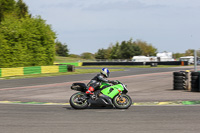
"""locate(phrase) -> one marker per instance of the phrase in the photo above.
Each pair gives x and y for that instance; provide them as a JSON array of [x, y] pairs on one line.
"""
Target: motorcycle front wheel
[[77, 101], [122, 101]]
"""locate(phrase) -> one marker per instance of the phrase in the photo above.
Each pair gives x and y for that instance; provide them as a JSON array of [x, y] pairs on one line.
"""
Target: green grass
[[77, 71], [59, 59], [136, 66]]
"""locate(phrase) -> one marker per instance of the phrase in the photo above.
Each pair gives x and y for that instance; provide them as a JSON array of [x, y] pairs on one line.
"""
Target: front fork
[[120, 95], [120, 99]]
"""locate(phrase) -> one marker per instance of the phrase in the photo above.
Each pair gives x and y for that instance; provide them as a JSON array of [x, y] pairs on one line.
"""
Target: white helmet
[[105, 72]]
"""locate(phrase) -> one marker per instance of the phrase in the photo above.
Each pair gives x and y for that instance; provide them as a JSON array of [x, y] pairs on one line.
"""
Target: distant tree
[[101, 54], [136, 50], [115, 53], [125, 50], [147, 49], [74, 56], [189, 52], [61, 49], [87, 55], [178, 55], [108, 52], [129, 49]]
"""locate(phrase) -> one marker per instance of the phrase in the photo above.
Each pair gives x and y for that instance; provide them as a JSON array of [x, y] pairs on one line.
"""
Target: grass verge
[[78, 71], [136, 66], [60, 59]]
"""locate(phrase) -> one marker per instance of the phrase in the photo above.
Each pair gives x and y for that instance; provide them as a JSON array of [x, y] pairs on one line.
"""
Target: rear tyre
[[123, 102], [77, 101]]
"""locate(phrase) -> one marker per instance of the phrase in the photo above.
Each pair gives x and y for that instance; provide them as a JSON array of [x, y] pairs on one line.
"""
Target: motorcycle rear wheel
[[78, 102], [123, 102]]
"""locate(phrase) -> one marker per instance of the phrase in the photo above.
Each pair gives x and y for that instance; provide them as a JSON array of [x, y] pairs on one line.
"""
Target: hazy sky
[[88, 25]]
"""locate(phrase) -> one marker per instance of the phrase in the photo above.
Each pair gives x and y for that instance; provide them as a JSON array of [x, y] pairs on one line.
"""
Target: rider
[[96, 81]]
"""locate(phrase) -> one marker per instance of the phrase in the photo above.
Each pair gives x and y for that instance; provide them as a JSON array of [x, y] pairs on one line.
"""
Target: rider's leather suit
[[96, 82]]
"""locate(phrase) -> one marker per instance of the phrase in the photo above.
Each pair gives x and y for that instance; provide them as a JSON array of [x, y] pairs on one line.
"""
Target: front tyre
[[77, 101], [122, 101]]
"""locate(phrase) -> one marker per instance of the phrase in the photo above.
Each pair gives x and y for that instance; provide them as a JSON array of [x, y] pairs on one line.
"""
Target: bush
[[26, 42]]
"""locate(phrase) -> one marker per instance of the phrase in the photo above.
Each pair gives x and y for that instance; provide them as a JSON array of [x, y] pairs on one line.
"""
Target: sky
[[89, 25]]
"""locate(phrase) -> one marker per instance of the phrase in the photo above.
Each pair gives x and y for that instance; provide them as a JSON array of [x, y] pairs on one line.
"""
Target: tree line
[[126, 50], [119, 50]]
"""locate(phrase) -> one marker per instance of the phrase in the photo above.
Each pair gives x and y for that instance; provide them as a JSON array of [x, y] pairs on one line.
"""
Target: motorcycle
[[106, 95]]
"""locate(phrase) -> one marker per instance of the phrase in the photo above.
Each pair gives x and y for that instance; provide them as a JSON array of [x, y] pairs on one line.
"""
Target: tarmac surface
[[63, 119], [19, 111]]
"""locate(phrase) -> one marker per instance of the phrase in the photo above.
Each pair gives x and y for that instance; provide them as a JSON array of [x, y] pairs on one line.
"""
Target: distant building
[[164, 56], [143, 59], [190, 59]]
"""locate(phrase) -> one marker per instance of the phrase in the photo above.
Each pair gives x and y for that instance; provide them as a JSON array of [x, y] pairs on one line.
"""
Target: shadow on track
[[91, 107]]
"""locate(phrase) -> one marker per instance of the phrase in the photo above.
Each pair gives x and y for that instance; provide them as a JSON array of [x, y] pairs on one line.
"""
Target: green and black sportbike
[[106, 95]]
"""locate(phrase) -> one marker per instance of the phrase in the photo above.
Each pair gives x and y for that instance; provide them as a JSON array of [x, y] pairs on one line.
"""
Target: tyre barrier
[[195, 82], [180, 80], [153, 64], [71, 68]]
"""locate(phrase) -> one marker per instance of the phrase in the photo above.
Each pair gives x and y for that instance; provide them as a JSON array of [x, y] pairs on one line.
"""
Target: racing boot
[[90, 91]]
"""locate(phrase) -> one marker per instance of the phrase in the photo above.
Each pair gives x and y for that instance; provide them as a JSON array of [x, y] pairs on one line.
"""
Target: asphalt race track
[[145, 85], [63, 119]]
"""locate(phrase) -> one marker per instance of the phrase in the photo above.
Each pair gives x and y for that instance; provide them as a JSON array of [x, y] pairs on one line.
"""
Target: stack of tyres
[[180, 80], [71, 68], [195, 81]]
